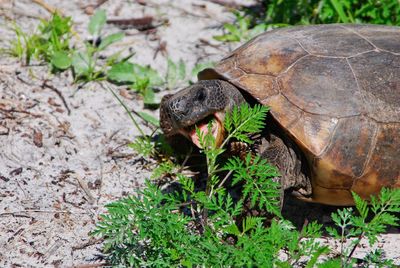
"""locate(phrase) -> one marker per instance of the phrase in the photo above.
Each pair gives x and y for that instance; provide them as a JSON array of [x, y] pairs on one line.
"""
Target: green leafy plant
[[52, 42], [21, 47], [49, 42], [190, 226], [241, 30], [141, 79], [374, 259], [176, 241], [212, 209], [144, 79], [85, 62], [360, 226], [278, 13], [258, 187]]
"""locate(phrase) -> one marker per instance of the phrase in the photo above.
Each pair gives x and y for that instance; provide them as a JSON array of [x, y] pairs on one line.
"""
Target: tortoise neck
[[283, 153]]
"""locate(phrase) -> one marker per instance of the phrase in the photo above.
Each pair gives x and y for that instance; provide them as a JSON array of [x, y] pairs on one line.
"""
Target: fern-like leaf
[[244, 120], [361, 205]]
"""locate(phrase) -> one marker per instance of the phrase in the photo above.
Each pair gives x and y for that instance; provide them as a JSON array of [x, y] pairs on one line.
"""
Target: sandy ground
[[61, 162]]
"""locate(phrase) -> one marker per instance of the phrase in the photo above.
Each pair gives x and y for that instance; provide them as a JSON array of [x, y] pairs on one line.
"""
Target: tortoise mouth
[[217, 129]]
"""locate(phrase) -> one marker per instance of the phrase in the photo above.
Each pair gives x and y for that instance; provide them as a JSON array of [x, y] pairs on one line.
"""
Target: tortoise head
[[195, 106]]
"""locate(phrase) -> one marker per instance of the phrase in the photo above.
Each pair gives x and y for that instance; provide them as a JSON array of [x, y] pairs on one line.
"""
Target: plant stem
[[127, 110], [341, 245], [355, 246], [226, 177]]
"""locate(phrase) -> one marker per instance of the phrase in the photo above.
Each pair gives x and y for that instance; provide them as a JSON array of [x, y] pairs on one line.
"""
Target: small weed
[[241, 30], [22, 46], [164, 169], [359, 226], [49, 43], [375, 259], [142, 79], [52, 42], [144, 146], [85, 63]]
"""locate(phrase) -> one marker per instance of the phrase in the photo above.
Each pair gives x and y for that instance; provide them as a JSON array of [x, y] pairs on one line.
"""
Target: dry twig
[[48, 7], [59, 94]]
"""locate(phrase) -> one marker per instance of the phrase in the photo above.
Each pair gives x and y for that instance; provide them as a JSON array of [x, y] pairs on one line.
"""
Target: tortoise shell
[[335, 90]]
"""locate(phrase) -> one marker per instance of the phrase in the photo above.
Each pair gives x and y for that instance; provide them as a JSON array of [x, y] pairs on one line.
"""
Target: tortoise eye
[[201, 95]]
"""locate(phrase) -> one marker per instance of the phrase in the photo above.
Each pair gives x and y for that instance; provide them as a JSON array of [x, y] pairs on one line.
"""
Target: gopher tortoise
[[334, 98]]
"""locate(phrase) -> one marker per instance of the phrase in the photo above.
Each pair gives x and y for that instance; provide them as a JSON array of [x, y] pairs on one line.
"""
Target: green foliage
[[145, 230], [50, 42], [241, 30], [164, 168], [360, 226], [195, 227], [173, 238], [375, 259], [22, 46], [85, 63], [97, 22], [141, 78], [151, 230], [278, 13], [244, 120], [53, 39], [143, 145], [258, 185], [332, 11]]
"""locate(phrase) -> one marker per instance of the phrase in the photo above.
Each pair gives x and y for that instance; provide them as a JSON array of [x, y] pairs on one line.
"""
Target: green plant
[[241, 30], [49, 42], [242, 121], [330, 11], [278, 13], [360, 226], [172, 237], [141, 79], [85, 63], [52, 42], [22, 46], [374, 259], [190, 226]]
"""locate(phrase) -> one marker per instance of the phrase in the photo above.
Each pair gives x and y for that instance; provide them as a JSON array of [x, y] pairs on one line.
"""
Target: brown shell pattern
[[336, 90]]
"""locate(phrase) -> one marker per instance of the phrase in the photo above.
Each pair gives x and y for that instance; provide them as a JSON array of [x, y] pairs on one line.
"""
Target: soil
[[63, 152]]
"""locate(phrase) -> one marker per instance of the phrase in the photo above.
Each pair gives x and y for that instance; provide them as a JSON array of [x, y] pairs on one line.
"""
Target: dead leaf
[[38, 138]]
